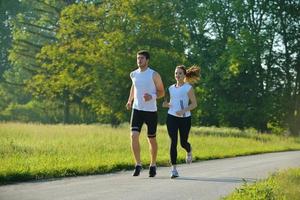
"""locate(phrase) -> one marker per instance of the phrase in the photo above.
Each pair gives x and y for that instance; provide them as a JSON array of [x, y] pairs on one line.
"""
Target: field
[[36, 151]]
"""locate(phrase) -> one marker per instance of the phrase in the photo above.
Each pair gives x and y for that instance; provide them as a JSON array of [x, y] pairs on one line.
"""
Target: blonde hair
[[192, 74]]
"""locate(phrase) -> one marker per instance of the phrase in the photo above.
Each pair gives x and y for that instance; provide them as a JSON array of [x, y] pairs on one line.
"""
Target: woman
[[182, 101]]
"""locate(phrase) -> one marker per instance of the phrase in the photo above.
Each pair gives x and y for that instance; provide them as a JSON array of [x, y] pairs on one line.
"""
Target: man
[[146, 87]]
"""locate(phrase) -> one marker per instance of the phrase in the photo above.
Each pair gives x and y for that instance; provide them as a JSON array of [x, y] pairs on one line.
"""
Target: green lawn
[[35, 151], [284, 185]]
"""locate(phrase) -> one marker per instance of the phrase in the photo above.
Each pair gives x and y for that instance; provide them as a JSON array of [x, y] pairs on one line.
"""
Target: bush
[[265, 190], [283, 185], [275, 128], [29, 112]]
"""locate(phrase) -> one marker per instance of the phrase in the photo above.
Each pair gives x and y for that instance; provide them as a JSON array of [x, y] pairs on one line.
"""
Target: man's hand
[[128, 105], [147, 97]]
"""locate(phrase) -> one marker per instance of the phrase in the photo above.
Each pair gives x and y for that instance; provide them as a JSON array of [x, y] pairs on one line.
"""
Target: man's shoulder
[[154, 73], [151, 69], [132, 73]]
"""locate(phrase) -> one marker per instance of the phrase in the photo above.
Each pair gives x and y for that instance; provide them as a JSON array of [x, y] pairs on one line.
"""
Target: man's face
[[141, 61]]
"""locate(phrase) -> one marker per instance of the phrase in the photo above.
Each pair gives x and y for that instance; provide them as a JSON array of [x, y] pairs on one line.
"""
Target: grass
[[284, 185], [36, 151]]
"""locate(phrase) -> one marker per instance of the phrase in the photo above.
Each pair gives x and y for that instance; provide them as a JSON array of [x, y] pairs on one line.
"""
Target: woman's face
[[179, 75]]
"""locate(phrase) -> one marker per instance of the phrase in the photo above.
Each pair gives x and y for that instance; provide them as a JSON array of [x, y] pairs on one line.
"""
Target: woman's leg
[[172, 126], [184, 130]]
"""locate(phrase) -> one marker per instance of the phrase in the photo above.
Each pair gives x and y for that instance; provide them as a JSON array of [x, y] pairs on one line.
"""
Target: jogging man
[[146, 87]]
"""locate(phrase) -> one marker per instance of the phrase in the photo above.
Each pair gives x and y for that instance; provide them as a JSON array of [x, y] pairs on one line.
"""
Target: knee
[[152, 140], [183, 144], [173, 144], [135, 135]]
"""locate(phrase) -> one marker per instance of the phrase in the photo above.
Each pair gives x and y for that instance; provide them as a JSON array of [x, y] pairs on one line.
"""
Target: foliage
[[280, 186], [260, 191], [45, 112], [80, 53], [92, 54]]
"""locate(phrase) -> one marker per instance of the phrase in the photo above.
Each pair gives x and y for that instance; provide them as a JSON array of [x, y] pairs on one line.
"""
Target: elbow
[[160, 94], [195, 105]]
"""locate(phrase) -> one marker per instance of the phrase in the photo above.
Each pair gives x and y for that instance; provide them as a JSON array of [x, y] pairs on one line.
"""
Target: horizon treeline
[[68, 61]]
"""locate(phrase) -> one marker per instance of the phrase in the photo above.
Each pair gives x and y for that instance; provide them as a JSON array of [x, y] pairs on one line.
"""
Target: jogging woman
[[182, 101]]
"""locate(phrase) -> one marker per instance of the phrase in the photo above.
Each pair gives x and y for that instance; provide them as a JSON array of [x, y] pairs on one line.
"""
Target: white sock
[[173, 167]]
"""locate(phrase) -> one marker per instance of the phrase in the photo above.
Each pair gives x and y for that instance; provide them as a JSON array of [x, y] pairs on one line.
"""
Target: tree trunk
[[295, 123], [66, 107]]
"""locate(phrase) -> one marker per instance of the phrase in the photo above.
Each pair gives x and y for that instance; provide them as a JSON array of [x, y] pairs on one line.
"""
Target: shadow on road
[[223, 179]]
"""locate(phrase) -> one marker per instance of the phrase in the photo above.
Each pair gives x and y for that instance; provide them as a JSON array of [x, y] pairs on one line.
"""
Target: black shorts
[[139, 117], [183, 124]]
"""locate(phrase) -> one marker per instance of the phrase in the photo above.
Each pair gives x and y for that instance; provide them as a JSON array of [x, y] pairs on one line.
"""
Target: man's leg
[[151, 121], [153, 150], [153, 154], [136, 125], [135, 147]]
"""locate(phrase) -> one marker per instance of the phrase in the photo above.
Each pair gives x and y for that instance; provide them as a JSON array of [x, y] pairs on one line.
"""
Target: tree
[[32, 28], [96, 50], [287, 15]]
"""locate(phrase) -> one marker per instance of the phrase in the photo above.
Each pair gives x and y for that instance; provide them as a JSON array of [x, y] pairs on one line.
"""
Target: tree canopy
[[73, 58]]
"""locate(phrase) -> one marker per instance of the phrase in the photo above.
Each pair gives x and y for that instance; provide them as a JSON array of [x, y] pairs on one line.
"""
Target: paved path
[[205, 180]]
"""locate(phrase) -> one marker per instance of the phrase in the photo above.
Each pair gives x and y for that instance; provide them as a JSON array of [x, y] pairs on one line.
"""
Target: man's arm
[[160, 90], [130, 98]]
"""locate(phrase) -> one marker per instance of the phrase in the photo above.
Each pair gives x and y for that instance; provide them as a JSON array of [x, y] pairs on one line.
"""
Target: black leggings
[[183, 124]]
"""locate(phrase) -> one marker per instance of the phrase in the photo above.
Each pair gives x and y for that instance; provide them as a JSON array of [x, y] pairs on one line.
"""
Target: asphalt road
[[205, 180]]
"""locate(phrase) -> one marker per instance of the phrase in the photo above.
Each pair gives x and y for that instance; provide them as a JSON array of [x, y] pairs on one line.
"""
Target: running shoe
[[152, 171], [137, 170], [174, 173]]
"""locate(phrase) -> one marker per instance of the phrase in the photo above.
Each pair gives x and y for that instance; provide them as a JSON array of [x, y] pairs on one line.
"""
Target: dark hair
[[192, 74], [144, 53]]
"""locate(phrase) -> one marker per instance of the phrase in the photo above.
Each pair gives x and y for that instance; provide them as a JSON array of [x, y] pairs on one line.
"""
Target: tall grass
[[284, 185], [35, 151]]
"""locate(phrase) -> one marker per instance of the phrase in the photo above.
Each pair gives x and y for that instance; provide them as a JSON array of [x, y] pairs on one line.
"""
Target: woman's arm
[[193, 104]]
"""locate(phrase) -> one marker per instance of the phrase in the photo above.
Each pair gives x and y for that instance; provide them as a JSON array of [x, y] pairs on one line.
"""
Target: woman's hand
[[180, 112], [165, 104]]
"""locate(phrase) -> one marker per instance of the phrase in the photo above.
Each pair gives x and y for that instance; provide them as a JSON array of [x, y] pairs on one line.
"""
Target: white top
[[179, 99], [143, 83]]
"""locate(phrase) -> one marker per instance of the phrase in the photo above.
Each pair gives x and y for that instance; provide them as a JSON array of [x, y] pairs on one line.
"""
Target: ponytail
[[192, 74]]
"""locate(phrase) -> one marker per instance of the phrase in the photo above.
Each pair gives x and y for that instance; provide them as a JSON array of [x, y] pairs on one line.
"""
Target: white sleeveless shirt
[[179, 99], [143, 83]]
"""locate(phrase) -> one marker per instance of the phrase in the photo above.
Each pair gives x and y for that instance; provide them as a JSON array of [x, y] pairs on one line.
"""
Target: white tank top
[[179, 99], [143, 83]]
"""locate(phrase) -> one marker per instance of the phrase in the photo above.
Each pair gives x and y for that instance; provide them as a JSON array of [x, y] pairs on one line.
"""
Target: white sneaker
[[189, 157], [174, 173]]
